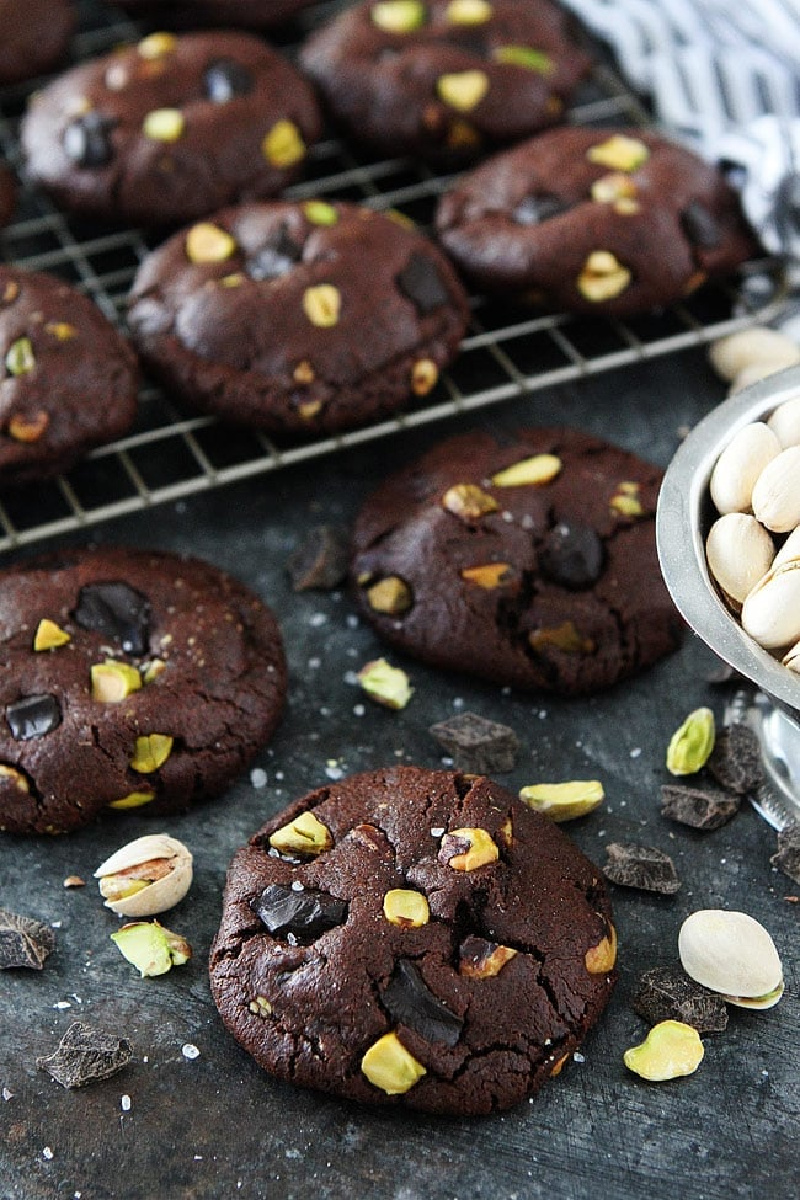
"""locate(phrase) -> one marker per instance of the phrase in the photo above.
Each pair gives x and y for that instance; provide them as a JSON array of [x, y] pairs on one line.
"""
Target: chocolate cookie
[[69, 379], [417, 938], [447, 80], [129, 680], [595, 220], [8, 195], [249, 14], [171, 128], [34, 36], [530, 562], [309, 317]]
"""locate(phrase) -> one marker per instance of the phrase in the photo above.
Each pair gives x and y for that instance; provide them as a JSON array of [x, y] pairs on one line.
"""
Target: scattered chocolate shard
[[321, 561], [24, 942], [408, 1000], [477, 745], [787, 858], [641, 867], [699, 808], [667, 994], [85, 1055], [299, 916], [735, 761]]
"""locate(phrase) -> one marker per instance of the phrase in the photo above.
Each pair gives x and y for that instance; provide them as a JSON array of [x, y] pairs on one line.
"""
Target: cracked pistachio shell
[[792, 659], [776, 492], [785, 422], [771, 612], [732, 354], [731, 953], [739, 466], [789, 550], [147, 876], [739, 552], [691, 745], [670, 1050]]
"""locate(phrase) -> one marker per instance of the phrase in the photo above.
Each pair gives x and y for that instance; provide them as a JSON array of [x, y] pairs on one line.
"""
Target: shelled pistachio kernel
[[402, 906], [152, 670], [538, 469], [626, 500], [156, 45], [603, 277], [20, 358], [424, 376], [739, 552], [389, 1066], [398, 16], [739, 466], [16, 778], [467, 501], [600, 959], [565, 637], [731, 953], [523, 56], [390, 595], [113, 681], [260, 1006], [617, 186], [163, 125], [132, 800], [61, 331], [479, 849], [322, 305], [670, 1050], [24, 428], [48, 635], [151, 751], [207, 243], [304, 835], [487, 964], [619, 152], [151, 948], [691, 744], [468, 12], [463, 90], [488, 575], [283, 146], [318, 212], [564, 801], [385, 684], [149, 875]]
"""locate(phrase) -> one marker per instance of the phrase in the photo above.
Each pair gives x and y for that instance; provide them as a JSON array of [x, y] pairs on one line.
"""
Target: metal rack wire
[[509, 351]]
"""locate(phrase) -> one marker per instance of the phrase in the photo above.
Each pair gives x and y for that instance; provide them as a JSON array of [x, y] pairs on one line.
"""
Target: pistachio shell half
[[147, 876], [731, 953]]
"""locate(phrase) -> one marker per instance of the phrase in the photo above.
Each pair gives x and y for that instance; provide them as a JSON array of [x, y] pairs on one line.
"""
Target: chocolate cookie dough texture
[[310, 317], [595, 220], [529, 561], [448, 80], [171, 128], [33, 36], [413, 938], [68, 379], [130, 680], [249, 14]]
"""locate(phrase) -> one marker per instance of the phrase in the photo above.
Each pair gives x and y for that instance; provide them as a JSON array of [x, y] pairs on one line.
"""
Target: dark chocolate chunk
[[667, 994], [700, 227], [33, 716], [24, 942], [321, 561], [787, 858], [471, 41], [735, 761], [118, 611], [572, 555], [301, 916], [87, 140], [642, 867], [226, 78], [421, 283], [477, 745], [409, 1001], [700, 808], [85, 1055], [535, 209], [274, 259]]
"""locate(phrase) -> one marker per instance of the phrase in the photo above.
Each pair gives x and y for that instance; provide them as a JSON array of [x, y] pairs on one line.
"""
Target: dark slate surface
[[216, 1126]]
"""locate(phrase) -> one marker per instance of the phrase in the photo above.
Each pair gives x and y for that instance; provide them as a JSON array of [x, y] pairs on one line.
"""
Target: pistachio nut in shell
[[789, 550], [730, 355], [739, 466], [147, 876], [776, 492], [785, 422], [792, 659], [771, 612], [739, 552], [731, 953], [670, 1050], [753, 373]]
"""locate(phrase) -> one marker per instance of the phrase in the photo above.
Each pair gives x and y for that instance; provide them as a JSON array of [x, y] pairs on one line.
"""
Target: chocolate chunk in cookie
[[417, 938], [309, 317], [530, 562], [129, 680], [171, 128], [33, 36], [595, 220], [447, 80], [68, 379]]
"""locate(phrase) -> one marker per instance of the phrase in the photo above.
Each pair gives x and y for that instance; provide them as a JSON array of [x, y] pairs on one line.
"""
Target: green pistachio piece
[[691, 745], [151, 948], [49, 636], [20, 359], [113, 681], [151, 752], [385, 684], [398, 16], [320, 213], [524, 56], [671, 1049]]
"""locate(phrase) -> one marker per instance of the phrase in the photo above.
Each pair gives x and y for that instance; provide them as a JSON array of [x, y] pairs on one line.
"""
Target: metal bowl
[[685, 515]]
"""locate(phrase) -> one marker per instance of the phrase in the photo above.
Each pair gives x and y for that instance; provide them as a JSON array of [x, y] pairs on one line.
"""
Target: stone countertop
[[214, 1125]]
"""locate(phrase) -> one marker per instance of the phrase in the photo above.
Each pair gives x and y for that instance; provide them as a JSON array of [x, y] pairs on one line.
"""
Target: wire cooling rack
[[509, 350]]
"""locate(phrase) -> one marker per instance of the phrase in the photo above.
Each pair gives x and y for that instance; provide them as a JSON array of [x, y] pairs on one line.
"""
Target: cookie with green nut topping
[[171, 128], [447, 80], [305, 316], [413, 938], [616, 221], [130, 680], [539, 567]]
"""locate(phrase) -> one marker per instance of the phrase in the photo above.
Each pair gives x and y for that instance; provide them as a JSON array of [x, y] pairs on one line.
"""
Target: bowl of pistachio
[[728, 534]]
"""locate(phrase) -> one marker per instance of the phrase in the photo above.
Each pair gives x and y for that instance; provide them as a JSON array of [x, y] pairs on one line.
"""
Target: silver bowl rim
[[680, 538]]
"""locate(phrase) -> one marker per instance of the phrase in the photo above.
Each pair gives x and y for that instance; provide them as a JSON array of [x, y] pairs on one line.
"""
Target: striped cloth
[[724, 76]]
